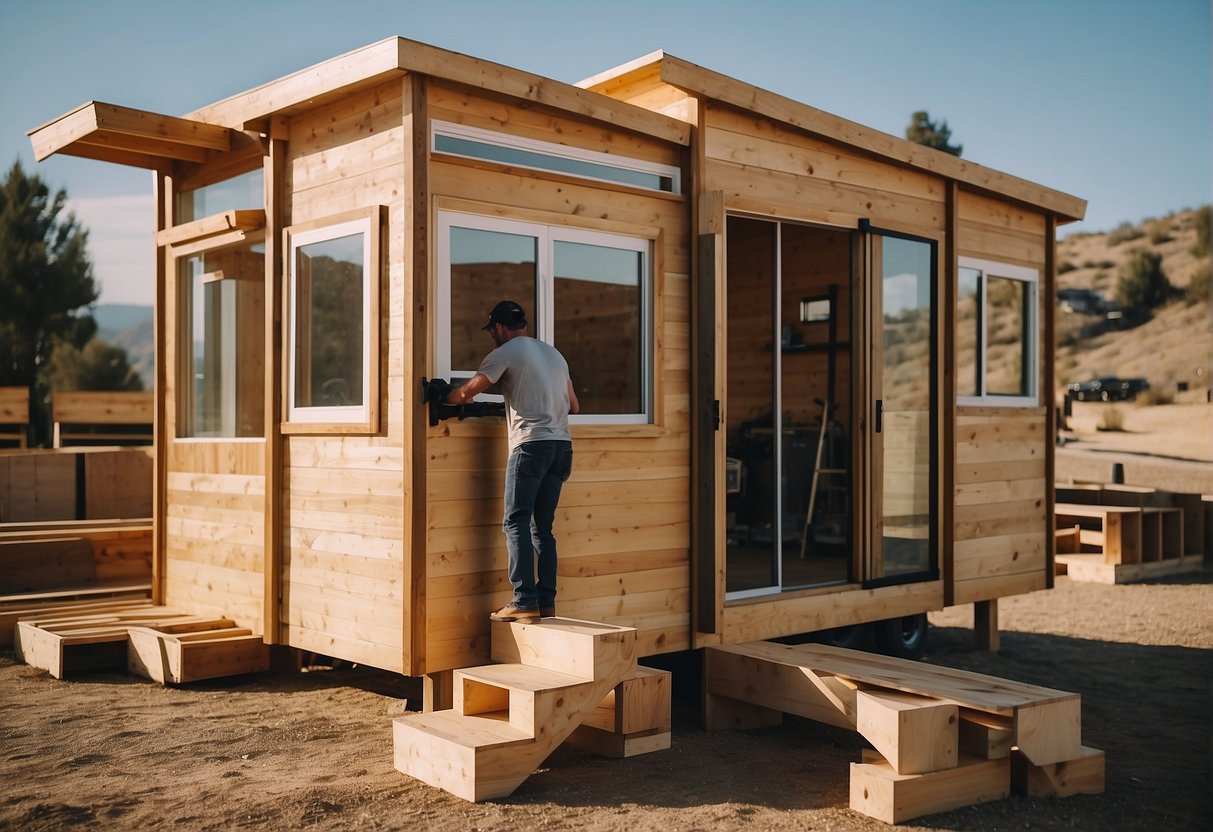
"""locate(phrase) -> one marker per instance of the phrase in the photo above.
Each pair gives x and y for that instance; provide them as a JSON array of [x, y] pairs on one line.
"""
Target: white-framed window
[[333, 324], [506, 149], [587, 293], [997, 334]]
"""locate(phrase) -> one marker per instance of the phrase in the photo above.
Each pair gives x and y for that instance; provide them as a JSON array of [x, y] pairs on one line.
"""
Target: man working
[[539, 396]]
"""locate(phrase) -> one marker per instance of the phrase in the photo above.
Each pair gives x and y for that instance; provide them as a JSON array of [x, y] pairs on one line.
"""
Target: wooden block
[[1049, 732], [611, 744], [641, 703], [880, 792], [915, 734], [587, 649], [1082, 775], [984, 735]]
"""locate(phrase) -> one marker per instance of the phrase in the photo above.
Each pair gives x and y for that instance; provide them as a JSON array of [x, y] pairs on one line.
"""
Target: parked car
[[1108, 388]]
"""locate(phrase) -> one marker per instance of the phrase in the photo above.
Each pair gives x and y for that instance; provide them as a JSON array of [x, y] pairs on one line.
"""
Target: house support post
[[985, 625]]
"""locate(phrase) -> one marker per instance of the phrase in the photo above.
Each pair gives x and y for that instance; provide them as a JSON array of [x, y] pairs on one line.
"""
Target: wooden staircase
[[942, 738], [508, 717]]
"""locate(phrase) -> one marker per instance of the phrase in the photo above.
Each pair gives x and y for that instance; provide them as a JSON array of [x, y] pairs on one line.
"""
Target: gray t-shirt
[[534, 378]]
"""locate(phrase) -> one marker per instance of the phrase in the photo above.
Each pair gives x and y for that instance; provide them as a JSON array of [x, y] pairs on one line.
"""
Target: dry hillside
[[1174, 346]]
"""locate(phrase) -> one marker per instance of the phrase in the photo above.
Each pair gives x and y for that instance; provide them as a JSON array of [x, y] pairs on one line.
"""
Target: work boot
[[512, 613], [547, 612]]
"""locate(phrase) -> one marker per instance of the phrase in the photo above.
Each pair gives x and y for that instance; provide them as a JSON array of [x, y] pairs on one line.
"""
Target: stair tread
[[476, 731], [521, 676]]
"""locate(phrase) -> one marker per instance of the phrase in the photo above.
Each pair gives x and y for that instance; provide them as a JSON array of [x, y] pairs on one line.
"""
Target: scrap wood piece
[[1081, 775], [880, 792], [191, 651]]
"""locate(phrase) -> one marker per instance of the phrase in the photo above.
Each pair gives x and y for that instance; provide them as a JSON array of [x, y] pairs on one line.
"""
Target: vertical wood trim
[[704, 429], [416, 297], [946, 493], [275, 174], [1044, 305], [162, 190]]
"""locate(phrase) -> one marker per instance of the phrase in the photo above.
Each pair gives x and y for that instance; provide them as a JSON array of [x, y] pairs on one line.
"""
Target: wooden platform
[[157, 642], [1118, 543], [945, 738], [554, 679]]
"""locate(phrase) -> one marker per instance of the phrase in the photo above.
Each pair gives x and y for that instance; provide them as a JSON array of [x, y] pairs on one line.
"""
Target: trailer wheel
[[904, 638], [854, 637]]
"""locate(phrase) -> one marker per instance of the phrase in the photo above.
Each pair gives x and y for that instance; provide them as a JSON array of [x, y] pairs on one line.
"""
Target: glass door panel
[[752, 450], [905, 394]]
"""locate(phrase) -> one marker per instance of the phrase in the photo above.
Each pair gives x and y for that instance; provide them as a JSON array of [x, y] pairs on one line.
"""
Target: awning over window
[[128, 137]]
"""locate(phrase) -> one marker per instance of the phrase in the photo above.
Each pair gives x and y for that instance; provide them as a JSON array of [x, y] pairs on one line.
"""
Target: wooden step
[[510, 716], [473, 757], [587, 649], [535, 698]]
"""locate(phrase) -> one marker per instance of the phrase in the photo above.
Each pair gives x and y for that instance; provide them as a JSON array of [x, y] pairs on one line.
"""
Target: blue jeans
[[534, 476]]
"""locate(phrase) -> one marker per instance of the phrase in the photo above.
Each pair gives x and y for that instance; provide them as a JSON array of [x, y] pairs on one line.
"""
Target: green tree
[[99, 366], [1142, 284], [46, 283], [924, 131]]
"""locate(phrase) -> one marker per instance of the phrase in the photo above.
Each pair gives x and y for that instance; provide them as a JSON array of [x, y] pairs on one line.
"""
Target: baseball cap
[[508, 313]]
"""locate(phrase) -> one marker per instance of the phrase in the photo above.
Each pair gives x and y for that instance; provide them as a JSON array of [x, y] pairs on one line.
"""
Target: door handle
[[879, 414]]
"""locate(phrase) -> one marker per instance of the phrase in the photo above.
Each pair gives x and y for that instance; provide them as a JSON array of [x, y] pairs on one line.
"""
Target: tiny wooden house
[[814, 360]]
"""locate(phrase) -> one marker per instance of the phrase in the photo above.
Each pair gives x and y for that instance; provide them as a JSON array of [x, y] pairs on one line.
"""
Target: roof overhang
[[663, 68], [127, 136], [396, 57]]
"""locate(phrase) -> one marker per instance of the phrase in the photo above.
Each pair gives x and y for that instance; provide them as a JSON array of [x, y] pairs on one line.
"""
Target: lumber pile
[[1118, 533], [941, 738], [553, 680], [46, 566]]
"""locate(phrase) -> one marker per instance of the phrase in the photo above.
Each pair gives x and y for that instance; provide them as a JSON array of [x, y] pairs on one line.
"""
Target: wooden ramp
[[943, 738], [550, 677], [162, 644]]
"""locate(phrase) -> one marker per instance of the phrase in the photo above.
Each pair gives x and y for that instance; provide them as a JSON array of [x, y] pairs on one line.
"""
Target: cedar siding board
[[388, 541]]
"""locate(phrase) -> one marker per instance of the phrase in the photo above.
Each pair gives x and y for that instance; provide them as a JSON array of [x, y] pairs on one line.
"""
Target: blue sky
[[1108, 100]]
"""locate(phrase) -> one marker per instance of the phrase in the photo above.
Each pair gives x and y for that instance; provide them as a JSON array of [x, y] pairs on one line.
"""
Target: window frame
[[1031, 278], [199, 245], [509, 141], [542, 319], [352, 419]]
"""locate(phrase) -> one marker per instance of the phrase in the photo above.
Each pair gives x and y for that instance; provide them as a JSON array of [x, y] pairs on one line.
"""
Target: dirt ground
[[314, 750]]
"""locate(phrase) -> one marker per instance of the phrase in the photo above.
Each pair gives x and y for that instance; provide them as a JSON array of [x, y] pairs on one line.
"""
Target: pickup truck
[[1108, 388]]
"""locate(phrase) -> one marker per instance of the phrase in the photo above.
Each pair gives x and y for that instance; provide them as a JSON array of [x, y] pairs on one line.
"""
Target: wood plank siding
[[1002, 478], [623, 526], [213, 528], [343, 505]]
